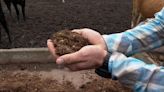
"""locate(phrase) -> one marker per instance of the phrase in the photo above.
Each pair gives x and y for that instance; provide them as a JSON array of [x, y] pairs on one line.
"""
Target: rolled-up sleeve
[[144, 37]]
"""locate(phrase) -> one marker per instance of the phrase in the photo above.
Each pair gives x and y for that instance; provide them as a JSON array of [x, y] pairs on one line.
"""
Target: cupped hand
[[88, 57]]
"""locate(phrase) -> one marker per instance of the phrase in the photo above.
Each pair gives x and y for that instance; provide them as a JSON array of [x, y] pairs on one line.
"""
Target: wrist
[[103, 70]]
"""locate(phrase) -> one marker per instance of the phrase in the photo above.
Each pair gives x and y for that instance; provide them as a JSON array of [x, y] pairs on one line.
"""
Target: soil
[[44, 17], [66, 42], [48, 78]]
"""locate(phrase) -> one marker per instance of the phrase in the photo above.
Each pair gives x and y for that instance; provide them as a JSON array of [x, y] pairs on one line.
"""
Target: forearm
[[141, 38], [136, 74]]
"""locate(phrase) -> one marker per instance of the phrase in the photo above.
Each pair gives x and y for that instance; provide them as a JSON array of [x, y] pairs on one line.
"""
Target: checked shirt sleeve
[[130, 71], [136, 74], [144, 37]]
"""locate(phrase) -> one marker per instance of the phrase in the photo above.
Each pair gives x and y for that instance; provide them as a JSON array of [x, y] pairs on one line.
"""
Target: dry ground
[[47, 16], [51, 78]]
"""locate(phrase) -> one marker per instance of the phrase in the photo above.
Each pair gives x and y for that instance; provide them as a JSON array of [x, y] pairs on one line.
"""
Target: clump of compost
[[66, 41]]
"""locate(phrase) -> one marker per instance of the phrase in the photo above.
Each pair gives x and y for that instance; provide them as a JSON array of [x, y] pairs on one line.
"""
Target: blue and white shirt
[[133, 72]]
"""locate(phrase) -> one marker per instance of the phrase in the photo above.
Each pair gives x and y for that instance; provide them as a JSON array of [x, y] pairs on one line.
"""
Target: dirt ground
[[52, 78], [45, 17]]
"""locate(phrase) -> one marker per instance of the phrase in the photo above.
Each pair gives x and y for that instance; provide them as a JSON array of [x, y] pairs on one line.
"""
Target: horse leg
[[0, 35], [0, 19], [8, 4], [23, 4], [16, 9], [4, 23]]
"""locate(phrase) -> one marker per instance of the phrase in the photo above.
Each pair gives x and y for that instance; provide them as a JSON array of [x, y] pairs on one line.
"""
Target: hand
[[88, 57], [94, 37]]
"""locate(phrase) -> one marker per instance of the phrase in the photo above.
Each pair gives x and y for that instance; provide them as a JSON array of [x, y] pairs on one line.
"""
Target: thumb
[[69, 58]]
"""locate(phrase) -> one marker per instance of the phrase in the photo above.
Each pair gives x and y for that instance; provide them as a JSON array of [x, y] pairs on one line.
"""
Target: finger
[[82, 66], [93, 37], [79, 31], [51, 48], [83, 33], [69, 58]]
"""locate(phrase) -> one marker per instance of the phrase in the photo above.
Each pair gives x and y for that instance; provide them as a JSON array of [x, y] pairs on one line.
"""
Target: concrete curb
[[25, 55], [31, 55]]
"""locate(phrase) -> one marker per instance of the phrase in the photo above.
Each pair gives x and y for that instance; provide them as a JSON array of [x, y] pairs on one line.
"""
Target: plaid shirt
[[133, 72]]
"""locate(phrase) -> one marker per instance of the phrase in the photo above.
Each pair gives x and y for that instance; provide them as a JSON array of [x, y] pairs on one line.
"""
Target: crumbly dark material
[[66, 42]]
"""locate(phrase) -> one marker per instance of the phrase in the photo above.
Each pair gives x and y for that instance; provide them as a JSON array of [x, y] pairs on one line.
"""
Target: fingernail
[[60, 61]]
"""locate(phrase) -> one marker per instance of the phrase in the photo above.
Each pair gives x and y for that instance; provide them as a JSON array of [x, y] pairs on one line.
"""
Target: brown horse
[[143, 9]]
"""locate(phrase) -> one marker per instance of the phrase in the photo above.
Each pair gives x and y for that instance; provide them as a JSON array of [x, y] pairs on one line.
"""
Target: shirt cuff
[[112, 63]]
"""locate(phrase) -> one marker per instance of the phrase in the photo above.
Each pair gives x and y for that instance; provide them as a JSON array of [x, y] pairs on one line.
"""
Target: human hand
[[93, 37], [88, 57]]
